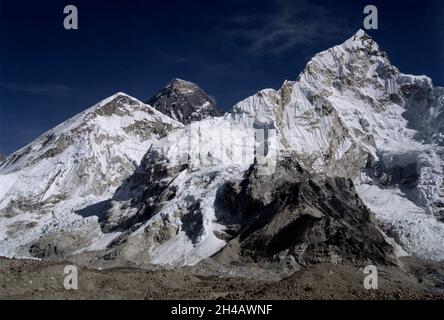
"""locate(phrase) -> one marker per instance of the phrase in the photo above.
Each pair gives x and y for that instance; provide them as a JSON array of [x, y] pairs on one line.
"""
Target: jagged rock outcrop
[[185, 102], [295, 215]]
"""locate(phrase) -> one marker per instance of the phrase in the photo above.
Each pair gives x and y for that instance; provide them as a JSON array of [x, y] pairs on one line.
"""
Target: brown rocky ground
[[27, 279]]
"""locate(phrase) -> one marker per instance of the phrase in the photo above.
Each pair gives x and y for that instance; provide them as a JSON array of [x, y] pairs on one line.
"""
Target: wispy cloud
[[35, 88], [173, 58], [291, 24]]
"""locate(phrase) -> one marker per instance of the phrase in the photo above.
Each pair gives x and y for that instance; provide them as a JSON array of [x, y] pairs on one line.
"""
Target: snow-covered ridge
[[79, 162]]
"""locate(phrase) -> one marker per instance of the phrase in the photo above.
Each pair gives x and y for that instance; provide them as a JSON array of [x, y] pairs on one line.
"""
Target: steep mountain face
[[424, 107], [184, 102], [2, 157], [165, 211], [78, 163], [353, 114]]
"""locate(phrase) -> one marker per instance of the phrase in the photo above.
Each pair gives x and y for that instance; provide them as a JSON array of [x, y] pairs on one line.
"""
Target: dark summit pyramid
[[185, 102]]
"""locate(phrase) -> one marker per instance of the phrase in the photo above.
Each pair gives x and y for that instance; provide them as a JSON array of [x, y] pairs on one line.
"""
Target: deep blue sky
[[230, 48]]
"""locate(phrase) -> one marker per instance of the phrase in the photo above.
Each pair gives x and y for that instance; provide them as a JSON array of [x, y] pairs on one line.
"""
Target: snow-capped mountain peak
[[79, 162]]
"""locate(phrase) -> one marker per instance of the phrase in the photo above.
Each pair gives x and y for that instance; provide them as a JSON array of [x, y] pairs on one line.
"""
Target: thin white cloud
[[289, 25], [35, 88]]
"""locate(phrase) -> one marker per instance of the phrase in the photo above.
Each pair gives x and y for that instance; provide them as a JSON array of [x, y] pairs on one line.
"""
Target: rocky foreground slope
[[288, 176], [25, 279]]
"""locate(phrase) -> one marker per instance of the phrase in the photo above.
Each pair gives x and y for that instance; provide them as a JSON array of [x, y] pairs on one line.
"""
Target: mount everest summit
[[185, 102], [352, 172]]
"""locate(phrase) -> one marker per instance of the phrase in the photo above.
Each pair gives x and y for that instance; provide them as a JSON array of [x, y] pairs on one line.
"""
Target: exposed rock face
[[296, 215], [184, 102], [2, 157]]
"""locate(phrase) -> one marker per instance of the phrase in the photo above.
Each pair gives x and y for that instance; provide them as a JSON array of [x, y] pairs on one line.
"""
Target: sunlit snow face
[[200, 145]]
